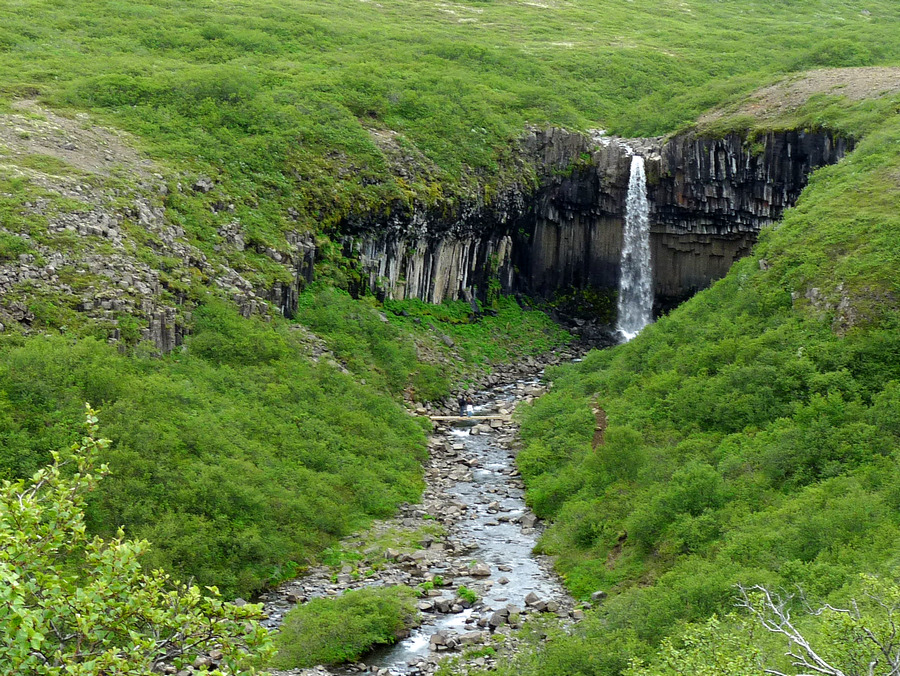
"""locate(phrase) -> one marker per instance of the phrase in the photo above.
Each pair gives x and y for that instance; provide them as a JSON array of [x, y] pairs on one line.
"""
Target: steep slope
[[752, 433]]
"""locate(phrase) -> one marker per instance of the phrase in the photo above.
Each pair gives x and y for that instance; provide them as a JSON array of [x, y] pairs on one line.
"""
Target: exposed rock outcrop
[[87, 241], [92, 234], [709, 199]]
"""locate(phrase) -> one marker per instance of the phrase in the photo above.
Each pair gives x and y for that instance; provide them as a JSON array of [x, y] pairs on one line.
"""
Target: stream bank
[[471, 529]]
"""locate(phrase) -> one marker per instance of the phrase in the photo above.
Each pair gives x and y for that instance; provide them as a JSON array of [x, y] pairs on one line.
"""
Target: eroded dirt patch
[[76, 141], [776, 100]]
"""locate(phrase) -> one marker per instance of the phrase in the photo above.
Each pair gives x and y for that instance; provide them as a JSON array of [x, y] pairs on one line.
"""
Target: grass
[[751, 432], [277, 101], [241, 459], [401, 346], [752, 435]]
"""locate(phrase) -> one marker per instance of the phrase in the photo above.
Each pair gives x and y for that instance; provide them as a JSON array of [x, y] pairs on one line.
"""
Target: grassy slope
[[753, 433], [240, 458], [275, 98]]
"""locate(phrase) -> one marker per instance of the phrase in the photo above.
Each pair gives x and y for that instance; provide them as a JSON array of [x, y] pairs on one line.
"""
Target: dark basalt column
[[709, 199]]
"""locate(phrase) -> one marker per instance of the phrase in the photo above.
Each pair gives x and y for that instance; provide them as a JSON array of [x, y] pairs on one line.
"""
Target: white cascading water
[[636, 280]]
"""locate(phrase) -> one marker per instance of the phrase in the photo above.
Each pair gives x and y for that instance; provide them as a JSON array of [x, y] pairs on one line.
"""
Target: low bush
[[239, 458], [343, 628]]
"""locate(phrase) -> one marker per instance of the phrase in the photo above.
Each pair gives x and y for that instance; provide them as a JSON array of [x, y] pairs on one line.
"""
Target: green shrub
[[343, 628], [12, 246], [466, 594], [70, 603], [239, 459]]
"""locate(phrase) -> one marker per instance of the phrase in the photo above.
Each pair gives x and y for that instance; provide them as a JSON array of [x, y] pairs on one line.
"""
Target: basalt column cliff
[[708, 200]]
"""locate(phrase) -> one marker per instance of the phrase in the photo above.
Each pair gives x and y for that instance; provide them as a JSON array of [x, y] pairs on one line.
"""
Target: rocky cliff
[[89, 236], [709, 199]]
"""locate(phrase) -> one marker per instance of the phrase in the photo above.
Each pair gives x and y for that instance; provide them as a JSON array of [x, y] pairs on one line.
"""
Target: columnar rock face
[[709, 198], [712, 196]]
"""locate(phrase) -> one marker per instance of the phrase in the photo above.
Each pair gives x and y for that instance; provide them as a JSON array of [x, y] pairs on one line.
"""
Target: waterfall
[[636, 278]]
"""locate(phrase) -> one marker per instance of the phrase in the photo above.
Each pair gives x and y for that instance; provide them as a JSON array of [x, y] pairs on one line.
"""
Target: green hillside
[[311, 104], [753, 433], [241, 458]]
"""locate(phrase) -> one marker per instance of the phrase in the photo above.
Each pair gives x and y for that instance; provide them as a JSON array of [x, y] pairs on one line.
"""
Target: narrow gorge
[[467, 546], [554, 228]]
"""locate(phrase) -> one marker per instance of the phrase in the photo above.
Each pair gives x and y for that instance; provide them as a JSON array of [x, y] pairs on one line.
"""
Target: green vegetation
[[859, 638], [367, 551], [821, 111], [466, 594], [753, 433], [13, 246], [307, 103], [239, 458], [402, 347], [104, 615], [342, 628]]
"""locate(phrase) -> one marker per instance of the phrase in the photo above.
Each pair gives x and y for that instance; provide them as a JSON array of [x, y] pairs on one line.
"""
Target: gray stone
[[598, 596], [480, 570], [203, 184], [497, 620], [471, 637]]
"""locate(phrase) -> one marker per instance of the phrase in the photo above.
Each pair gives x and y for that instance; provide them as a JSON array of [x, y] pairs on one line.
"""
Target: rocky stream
[[471, 529]]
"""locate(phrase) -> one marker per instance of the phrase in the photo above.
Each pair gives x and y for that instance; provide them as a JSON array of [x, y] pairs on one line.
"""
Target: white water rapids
[[636, 279]]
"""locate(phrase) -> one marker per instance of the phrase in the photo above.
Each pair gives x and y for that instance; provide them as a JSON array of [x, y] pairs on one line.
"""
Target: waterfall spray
[[636, 279]]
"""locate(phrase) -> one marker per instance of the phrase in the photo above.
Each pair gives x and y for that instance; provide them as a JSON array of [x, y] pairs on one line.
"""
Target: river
[[475, 492]]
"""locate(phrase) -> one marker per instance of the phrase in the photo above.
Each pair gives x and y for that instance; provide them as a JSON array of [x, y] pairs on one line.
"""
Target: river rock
[[443, 605], [531, 599], [528, 521], [480, 570], [472, 637]]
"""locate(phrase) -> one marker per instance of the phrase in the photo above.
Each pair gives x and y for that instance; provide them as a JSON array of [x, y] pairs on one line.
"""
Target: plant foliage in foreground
[[73, 604]]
